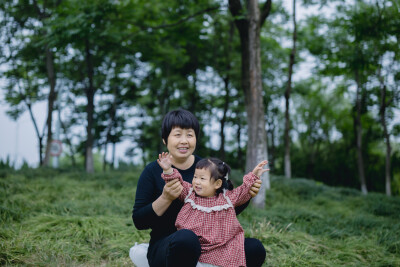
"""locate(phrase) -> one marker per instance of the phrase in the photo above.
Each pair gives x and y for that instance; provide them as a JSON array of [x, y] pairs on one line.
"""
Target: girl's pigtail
[[229, 184], [225, 171]]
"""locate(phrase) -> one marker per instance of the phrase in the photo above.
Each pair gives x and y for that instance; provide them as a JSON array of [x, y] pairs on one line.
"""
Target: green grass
[[310, 224], [67, 218]]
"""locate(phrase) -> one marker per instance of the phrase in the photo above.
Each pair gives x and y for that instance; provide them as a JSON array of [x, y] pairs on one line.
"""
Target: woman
[[156, 204]]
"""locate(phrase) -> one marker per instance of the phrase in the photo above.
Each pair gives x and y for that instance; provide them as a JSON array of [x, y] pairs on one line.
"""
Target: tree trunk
[[112, 163], [51, 99], [89, 111], [223, 120], [195, 99], [227, 96], [42, 14], [105, 157], [270, 142], [69, 143], [249, 31], [239, 148], [288, 168], [40, 137], [358, 127], [164, 105], [111, 124], [382, 113]]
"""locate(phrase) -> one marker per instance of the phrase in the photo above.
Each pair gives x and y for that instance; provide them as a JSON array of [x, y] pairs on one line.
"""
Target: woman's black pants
[[182, 248]]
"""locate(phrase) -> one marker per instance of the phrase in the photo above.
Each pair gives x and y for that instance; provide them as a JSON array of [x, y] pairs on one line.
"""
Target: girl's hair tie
[[226, 175]]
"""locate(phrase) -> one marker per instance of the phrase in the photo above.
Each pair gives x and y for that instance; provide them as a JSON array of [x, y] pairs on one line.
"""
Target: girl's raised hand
[[164, 161], [259, 169]]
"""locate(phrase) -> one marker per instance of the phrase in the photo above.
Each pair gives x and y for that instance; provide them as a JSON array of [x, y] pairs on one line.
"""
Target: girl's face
[[181, 143], [203, 185]]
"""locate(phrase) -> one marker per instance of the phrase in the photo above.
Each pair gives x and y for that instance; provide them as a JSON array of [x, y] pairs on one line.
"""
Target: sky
[[17, 138]]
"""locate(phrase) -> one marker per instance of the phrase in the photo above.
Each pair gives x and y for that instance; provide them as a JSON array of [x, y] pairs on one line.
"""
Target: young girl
[[208, 209]]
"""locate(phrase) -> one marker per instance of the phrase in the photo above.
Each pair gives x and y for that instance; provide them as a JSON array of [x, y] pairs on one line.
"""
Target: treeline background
[[117, 67]]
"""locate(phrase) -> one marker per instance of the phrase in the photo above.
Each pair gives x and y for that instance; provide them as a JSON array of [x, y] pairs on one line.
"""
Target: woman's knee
[[187, 240], [184, 249], [255, 252]]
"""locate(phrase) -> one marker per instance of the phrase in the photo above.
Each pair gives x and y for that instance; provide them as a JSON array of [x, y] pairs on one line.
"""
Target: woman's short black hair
[[179, 118]]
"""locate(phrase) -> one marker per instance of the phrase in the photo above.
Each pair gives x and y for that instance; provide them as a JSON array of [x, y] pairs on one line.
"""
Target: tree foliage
[[120, 66]]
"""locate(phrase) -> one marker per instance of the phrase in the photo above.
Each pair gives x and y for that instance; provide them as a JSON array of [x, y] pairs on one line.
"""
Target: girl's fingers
[[163, 155], [264, 170], [262, 163], [259, 171], [265, 162]]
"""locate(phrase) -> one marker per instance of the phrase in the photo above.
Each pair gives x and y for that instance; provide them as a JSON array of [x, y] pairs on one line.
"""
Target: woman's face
[[181, 143]]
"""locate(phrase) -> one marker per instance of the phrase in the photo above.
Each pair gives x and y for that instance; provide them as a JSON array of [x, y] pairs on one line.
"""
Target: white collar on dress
[[208, 209]]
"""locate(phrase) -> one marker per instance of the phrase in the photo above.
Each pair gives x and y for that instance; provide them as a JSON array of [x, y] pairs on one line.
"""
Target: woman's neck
[[184, 164]]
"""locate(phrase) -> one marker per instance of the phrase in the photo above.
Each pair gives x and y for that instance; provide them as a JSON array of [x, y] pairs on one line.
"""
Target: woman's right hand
[[172, 190]]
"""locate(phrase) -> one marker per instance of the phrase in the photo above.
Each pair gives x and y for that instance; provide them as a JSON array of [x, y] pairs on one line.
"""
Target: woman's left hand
[[255, 188]]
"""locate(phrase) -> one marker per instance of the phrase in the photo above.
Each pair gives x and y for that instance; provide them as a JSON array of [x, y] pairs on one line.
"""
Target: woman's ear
[[218, 184], [164, 142]]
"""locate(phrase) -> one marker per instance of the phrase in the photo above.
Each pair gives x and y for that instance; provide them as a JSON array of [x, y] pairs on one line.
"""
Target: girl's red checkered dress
[[214, 221]]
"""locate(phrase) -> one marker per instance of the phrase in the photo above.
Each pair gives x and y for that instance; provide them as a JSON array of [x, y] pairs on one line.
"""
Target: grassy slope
[[75, 219]]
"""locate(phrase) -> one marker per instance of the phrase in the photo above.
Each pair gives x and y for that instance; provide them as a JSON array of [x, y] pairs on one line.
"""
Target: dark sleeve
[[241, 208], [143, 215]]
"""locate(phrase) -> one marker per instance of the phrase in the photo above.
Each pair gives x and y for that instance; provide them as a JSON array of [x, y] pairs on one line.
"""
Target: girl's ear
[[217, 184], [164, 142]]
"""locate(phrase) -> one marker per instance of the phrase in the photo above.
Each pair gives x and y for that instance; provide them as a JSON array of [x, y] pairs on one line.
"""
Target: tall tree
[[358, 110], [248, 21], [288, 168], [89, 32], [347, 52], [385, 101], [22, 93], [227, 80], [385, 38], [44, 12], [274, 75], [30, 18], [222, 58]]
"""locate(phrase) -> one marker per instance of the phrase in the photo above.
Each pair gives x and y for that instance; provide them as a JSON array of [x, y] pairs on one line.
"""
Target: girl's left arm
[[240, 195]]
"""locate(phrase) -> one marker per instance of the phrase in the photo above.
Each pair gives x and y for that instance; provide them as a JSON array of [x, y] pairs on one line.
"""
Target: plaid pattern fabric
[[214, 222]]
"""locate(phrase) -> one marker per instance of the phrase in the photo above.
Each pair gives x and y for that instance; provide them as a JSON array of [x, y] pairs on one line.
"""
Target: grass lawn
[[51, 218]]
